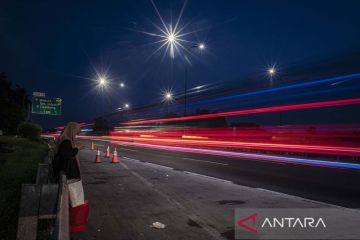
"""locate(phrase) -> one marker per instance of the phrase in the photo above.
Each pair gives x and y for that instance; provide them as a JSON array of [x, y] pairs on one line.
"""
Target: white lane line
[[306, 199], [208, 177], [133, 159], [170, 168], [151, 164], [197, 160], [212, 232], [127, 149], [161, 166]]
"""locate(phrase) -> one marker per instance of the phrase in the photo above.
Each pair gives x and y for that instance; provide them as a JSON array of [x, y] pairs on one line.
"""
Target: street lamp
[[171, 38], [168, 96], [102, 81], [122, 84], [127, 106], [201, 46], [272, 71]]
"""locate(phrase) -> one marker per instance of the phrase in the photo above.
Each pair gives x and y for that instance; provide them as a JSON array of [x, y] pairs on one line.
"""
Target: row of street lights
[[103, 82], [168, 95], [173, 40]]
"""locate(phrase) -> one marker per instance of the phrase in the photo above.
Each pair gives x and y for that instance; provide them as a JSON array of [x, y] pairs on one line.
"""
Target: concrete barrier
[[44, 201], [42, 176], [28, 215], [62, 219]]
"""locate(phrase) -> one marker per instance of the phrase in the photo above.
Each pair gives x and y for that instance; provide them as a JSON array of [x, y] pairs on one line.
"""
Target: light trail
[[251, 156], [318, 93], [333, 139], [322, 132], [299, 148], [276, 89], [253, 111]]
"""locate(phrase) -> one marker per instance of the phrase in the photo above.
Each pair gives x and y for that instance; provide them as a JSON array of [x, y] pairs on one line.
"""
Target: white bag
[[76, 192]]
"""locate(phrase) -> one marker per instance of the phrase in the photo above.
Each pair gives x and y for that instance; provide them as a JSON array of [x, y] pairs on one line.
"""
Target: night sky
[[56, 46]]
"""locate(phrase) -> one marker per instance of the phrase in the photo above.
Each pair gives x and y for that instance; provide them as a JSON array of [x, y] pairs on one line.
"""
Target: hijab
[[69, 133]]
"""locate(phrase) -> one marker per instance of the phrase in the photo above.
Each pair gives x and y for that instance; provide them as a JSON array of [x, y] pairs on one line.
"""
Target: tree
[[101, 126], [21, 97], [30, 131], [13, 105]]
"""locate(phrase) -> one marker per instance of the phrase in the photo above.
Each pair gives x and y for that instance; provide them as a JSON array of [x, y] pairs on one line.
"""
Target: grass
[[18, 164]]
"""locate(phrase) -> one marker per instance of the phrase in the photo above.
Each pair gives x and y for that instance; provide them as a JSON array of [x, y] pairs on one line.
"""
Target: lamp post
[[271, 71], [200, 47]]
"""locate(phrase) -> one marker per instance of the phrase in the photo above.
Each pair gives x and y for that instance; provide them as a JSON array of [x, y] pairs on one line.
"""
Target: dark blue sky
[[53, 46]]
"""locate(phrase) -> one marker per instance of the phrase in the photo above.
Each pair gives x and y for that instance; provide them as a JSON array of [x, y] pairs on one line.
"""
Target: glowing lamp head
[[272, 71], [102, 81], [127, 106], [168, 96], [171, 38], [122, 85], [201, 46]]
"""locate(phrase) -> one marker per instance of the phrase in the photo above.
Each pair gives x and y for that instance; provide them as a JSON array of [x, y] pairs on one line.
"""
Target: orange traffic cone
[[92, 146], [107, 153], [115, 158], [97, 157]]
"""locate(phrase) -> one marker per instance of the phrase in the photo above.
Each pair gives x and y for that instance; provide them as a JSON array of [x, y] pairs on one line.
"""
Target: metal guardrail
[[61, 231], [44, 200]]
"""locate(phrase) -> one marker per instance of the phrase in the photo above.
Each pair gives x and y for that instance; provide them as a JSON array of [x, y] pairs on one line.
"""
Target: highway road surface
[[150, 186], [128, 197], [330, 185]]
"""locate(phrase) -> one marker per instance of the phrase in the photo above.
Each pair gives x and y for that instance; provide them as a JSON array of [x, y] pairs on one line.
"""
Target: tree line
[[14, 105]]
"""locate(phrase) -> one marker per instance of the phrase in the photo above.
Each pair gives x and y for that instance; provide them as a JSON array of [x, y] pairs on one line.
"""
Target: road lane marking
[[151, 164], [157, 165], [212, 178], [197, 160], [306, 199], [127, 149], [170, 168], [132, 159]]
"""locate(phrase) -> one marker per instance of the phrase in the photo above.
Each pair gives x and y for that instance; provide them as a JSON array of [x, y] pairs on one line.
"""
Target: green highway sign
[[46, 105]]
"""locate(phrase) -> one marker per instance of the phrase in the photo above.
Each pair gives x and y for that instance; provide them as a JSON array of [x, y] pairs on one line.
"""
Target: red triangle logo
[[242, 224]]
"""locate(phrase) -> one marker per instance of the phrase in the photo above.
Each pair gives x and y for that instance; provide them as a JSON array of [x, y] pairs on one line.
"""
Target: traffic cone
[[92, 146], [97, 157], [115, 158], [107, 153]]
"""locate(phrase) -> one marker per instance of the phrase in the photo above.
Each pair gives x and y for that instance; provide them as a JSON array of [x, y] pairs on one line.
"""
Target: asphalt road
[[333, 186], [127, 198]]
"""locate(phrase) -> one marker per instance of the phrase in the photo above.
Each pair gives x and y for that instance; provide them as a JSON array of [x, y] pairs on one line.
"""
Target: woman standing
[[66, 161], [66, 155]]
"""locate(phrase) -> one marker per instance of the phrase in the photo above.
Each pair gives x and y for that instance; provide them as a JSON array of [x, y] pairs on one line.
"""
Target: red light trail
[[254, 111]]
